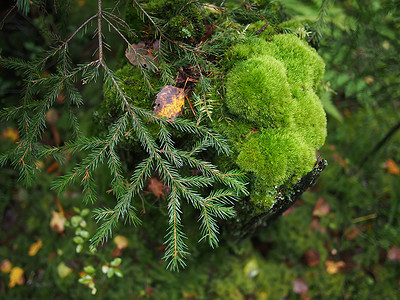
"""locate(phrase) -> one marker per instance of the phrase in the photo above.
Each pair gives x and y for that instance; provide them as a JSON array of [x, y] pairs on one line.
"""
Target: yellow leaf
[[35, 247], [169, 102], [121, 242], [57, 221], [10, 133], [6, 266], [334, 267], [16, 277]]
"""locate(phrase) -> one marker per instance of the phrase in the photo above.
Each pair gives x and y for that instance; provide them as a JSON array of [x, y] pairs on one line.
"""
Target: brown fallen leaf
[[352, 232], [316, 226], [300, 286], [394, 254], [311, 257], [35, 247], [156, 187], [16, 277], [136, 53], [6, 266], [169, 102], [334, 267], [57, 221], [321, 208], [392, 167]]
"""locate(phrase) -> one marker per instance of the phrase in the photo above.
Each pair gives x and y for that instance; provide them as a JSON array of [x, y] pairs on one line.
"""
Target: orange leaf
[[334, 267], [35, 247], [392, 167], [169, 102], [6, 266], [10, 133], [16, 277], [57, 221]]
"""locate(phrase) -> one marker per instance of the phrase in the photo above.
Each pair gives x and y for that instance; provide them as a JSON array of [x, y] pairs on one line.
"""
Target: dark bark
[[246, 228]]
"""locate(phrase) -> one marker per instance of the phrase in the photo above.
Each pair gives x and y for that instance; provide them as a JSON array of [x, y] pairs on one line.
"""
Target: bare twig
[[99, 31]]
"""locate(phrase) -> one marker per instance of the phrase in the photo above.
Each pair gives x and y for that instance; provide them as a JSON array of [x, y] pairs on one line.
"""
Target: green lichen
[[271, 86]]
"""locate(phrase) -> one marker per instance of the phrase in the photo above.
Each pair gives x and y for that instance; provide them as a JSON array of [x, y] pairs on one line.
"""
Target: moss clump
[[269, 101], [271, 86], [184, 20]]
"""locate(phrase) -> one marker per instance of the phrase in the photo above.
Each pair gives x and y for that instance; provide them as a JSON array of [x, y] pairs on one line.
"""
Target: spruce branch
[[163, 157]]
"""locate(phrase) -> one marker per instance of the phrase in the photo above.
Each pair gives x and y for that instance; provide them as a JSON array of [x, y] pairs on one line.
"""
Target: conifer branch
[[163, 157]]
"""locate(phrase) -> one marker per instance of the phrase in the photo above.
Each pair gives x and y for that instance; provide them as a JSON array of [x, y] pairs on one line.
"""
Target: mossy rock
[[271, 87]]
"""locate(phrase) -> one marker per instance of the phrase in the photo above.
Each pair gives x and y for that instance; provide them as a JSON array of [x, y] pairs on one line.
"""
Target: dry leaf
[[52, 116], [394, 254], [315, 226], [300, 286], [352, 232], [312, 257], [35, 247], [6, 266], [16, 277], [57, 221], [135, 53], [10, 133], [169, 102], [149, 291], [321, 208], [121, 242], [188, 296], [392, 167], [369, 79], [156, 187], [334, 267]]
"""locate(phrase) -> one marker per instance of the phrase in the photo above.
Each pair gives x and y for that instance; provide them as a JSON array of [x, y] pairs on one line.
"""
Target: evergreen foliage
[[163, 158]]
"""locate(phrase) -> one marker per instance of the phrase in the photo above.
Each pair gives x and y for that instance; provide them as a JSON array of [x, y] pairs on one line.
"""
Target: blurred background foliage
[[341, 241]]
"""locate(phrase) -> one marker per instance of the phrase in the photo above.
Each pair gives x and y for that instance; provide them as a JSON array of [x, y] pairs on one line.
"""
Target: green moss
[[304, 66], [310, 118], [258, 90], [184, 19], [266, 34], [271, 85]]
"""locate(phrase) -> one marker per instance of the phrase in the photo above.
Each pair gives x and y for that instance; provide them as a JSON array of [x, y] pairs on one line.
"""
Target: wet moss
[[271, 86]]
